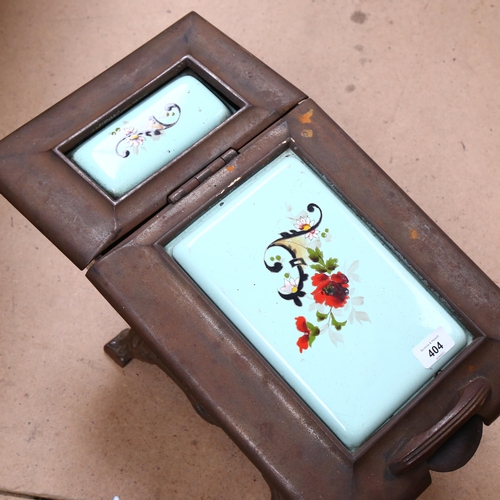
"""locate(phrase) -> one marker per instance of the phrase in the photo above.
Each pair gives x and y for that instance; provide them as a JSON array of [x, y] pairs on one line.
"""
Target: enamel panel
[[339, 317], [151, 134]]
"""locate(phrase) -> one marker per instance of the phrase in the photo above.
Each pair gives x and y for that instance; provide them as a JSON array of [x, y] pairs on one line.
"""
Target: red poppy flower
[[303, 342], [301, 325], [331, 290]]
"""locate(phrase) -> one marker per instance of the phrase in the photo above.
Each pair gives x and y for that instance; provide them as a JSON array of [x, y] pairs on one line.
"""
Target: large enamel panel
[[141, 141], [342, 320]]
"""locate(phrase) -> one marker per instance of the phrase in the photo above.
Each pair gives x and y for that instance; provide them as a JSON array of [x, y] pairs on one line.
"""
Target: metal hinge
[[207, 172]]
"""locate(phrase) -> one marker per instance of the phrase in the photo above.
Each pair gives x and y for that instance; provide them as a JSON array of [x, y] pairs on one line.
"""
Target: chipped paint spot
[[306, 117], [234, 182], [414, 234], [471, 368], [307, 133], [230, 168]]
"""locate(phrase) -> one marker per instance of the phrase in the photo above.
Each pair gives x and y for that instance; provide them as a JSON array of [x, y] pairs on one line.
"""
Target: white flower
[[311, 235], [291, 285], [129, 130], [304, 224], [133, 138]]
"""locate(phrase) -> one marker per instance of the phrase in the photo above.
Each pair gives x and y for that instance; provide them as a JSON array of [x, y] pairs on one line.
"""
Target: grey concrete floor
[[414, 83]]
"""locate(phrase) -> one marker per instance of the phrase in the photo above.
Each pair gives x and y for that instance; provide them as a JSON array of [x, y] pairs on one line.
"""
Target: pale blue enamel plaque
[[149, 135], [343, 321]]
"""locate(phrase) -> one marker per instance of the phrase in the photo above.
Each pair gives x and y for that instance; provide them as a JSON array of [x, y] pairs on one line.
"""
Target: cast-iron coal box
[[122, 240]]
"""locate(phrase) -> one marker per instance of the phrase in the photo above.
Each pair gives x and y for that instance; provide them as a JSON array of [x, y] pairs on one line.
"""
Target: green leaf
[[287, 275], [312, 338], [315, 255], [272, 258], [312, 255], [278, 257], [323, 235], [337, 324], [319, 267], [312, 328], [326, 230], [332, 264], [321, 316]]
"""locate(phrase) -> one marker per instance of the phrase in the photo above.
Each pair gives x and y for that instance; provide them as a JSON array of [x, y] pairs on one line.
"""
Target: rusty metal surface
[[225, 378], [68, 207], [210, 359]]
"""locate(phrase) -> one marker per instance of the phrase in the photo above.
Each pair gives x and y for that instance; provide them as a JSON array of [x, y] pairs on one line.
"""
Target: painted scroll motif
[[313, 274], [133, 138]]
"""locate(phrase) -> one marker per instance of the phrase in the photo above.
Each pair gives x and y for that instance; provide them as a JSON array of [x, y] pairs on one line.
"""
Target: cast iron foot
[[126, 346]]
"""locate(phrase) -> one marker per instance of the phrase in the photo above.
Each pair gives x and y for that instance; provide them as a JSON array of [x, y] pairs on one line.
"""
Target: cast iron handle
[[421, 447]]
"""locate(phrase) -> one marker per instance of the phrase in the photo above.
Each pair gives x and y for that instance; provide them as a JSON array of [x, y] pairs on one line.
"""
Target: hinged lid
[[99, 163], [207, 172], [306, 282], [207, 346]]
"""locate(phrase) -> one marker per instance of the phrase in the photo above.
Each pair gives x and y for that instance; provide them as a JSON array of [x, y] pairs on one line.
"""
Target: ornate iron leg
[[126, 346]]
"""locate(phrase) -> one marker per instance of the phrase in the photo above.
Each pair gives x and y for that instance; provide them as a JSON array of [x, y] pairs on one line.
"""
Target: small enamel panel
[[148, 136], [350, 329]]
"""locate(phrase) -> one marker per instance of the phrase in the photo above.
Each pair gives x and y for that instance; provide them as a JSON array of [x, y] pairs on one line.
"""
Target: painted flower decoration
[[330, 295], [305, 224], [303, 342], [310, 333], [291, 285], [332, 291], [133, 138]]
